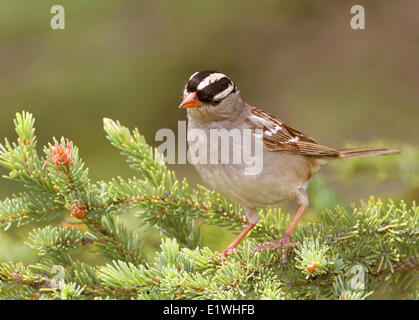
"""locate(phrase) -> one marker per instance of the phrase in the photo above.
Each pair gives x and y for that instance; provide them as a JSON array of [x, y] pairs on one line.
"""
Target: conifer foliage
[[345, 254]]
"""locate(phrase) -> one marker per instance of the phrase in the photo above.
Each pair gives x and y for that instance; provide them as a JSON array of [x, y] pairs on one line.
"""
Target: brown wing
[[278, 136]]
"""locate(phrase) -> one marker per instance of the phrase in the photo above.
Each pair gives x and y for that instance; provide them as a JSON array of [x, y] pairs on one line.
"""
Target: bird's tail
[[361, 152]]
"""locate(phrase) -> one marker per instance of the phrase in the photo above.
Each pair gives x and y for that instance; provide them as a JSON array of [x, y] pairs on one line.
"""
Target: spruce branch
[[21, 157], [50, 239], [115, 241], [375, 243], [28, 208]]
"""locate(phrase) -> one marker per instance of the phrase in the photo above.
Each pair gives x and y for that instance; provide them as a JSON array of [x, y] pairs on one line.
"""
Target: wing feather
[[278, 136]]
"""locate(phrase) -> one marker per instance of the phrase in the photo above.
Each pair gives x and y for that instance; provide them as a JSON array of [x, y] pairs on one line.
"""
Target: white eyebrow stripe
[[224, 93], [210, 79], [193, 75]]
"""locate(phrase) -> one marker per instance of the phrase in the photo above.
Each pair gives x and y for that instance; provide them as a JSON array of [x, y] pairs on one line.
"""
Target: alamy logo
[[358, 277], [58, 19], [58, 279], [213, 146], [358, 20]]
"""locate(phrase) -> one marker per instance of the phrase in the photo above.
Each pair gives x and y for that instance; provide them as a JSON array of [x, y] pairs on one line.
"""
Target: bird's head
[[211, 94]]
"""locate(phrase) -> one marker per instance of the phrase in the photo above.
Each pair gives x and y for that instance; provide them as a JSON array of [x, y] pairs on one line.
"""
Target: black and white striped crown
[[210, 85]]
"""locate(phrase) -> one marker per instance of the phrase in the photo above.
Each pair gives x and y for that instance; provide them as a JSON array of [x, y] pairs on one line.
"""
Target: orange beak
[[190, 101]]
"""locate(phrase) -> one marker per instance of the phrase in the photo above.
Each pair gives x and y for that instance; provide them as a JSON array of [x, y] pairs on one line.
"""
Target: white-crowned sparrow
[[290, 157]]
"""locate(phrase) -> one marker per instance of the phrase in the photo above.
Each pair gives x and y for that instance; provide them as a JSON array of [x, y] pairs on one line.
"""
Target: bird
[[290, 157]]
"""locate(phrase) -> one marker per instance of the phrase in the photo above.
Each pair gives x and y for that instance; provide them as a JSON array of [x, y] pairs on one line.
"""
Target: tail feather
[[360, 152]]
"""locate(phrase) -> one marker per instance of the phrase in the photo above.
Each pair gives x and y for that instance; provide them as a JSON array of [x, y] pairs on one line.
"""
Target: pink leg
[[285, 240], [231, 248]]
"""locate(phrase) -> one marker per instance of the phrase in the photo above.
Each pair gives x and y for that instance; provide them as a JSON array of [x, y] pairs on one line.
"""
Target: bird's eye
[[216, 102]]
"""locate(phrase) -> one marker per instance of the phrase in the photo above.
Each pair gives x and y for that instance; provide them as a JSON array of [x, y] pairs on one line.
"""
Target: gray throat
[[208, 117]]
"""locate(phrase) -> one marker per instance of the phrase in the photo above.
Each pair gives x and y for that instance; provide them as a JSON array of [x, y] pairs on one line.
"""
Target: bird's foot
[[226, 253], [283, 243]]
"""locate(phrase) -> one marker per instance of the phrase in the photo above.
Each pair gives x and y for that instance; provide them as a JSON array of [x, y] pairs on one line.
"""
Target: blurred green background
[[129, 60]]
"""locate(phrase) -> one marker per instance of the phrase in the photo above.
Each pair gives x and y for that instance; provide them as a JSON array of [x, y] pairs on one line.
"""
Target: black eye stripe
[[196, 80], [209, 85], [208, 93]]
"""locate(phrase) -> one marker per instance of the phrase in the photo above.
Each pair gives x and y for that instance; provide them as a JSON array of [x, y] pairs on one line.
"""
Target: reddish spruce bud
[[312, 267], [60, 154], [77, 210]]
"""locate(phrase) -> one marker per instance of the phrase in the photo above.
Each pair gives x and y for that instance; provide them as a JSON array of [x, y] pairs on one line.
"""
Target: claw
[[283, 243], [226, 253]]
